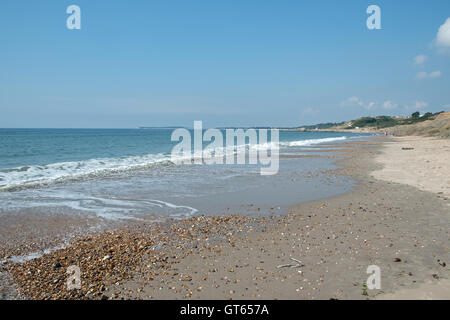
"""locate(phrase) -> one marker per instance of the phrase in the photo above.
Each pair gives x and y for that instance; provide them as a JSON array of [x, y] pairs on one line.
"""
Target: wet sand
[[398, 227]]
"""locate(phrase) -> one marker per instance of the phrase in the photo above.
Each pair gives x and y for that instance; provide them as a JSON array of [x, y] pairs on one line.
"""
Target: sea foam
[[41, 175]]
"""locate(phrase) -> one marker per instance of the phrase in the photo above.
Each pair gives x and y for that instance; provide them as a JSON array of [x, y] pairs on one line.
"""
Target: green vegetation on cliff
[[387, 121]]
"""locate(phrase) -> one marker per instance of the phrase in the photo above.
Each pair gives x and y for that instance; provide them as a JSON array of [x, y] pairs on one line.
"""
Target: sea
[[121, 174]]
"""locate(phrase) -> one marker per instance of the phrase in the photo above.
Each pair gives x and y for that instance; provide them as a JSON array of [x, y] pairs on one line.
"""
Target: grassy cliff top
[[429, 124]]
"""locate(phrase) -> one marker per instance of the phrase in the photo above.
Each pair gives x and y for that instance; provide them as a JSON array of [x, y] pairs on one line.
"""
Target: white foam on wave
[[297, 143], [309, 142], [31, 176], [41, 175], [106, 207], [32, 255]]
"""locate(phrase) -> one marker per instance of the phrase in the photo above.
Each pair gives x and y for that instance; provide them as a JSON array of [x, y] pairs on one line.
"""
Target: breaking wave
[[41, 175]]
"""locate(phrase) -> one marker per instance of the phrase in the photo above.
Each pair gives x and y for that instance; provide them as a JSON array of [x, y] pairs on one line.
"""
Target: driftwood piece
[[297, 265]]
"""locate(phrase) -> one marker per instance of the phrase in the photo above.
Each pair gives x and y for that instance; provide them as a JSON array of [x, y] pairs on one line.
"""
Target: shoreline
[[40, 231], [191, 258]]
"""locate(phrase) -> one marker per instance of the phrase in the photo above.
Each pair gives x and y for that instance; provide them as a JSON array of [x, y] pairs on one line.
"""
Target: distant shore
[[401, 226], [354, 130], [438, 126]]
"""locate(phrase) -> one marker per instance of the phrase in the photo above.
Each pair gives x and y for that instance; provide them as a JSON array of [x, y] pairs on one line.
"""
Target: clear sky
[[226, 62]]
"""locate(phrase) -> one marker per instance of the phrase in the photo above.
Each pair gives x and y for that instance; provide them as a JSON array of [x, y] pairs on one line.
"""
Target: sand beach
[[396, 217]]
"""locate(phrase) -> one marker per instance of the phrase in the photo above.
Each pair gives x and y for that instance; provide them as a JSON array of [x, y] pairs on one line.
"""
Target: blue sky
[[280, 63]]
